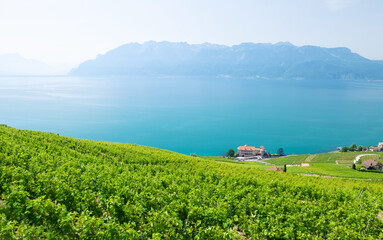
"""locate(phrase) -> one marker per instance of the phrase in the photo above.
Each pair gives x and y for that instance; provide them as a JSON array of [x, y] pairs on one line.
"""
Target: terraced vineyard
[[340, 157], [58, 187], [376, 157], [335, 164]]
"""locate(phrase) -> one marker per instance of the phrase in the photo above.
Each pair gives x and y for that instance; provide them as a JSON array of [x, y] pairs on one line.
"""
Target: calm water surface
[[195, 115]]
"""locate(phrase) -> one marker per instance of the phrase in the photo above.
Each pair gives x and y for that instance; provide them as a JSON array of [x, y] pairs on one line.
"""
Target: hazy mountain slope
[[281, 60], [15, 64]]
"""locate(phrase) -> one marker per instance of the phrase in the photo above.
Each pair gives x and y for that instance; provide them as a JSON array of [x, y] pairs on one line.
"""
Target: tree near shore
[[344, 149], [352, 147], [280, 152], [230, 153], [359, 149]]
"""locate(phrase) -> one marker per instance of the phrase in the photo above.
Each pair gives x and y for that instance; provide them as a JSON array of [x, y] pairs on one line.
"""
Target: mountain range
[[15, 64], [282, 60]]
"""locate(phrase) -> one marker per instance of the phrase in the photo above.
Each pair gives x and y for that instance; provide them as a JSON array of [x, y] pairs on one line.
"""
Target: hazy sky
[[70, 31]]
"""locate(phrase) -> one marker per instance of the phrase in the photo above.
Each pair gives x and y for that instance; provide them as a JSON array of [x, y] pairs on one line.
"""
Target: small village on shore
[[259, 154]]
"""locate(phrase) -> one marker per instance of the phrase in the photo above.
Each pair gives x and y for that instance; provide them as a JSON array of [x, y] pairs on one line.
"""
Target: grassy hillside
[[58, 187], [340, 157], [335, 164], [335, 170], [376, 157], [330, 169]]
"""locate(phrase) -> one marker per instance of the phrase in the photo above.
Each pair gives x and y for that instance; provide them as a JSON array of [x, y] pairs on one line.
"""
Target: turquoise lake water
[[197, 115]]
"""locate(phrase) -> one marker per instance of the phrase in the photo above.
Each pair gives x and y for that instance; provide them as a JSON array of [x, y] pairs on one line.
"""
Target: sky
[[72, 31]]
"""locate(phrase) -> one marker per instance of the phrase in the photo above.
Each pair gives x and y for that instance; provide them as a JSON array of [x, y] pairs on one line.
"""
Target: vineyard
[[59, 187], [340, 157]]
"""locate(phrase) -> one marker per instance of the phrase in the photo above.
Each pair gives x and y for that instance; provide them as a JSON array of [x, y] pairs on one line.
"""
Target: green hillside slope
[[58, 187], [340, 157]]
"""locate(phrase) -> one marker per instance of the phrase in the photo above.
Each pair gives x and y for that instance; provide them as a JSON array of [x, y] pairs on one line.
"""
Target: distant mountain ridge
[[255, 60], [15, 64]]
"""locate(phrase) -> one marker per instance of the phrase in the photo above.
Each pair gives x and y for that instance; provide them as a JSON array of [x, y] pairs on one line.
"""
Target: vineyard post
[[360, 193], [365, 231], [185, 228]]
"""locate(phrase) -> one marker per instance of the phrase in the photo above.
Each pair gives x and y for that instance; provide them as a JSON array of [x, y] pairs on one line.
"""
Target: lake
[[206, 116]]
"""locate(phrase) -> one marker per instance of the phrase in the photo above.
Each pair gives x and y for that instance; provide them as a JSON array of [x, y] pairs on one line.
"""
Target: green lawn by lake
[[335, 170], [377, 157], [323, 164], [341, 157]]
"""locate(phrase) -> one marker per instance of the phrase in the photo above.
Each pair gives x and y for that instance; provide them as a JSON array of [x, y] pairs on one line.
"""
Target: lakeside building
[[375, 149], [378, 148], [364, 149], [250, 151]]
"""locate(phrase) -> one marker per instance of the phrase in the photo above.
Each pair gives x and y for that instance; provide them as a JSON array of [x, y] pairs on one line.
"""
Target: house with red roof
[[374, 149], [250, 151]]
